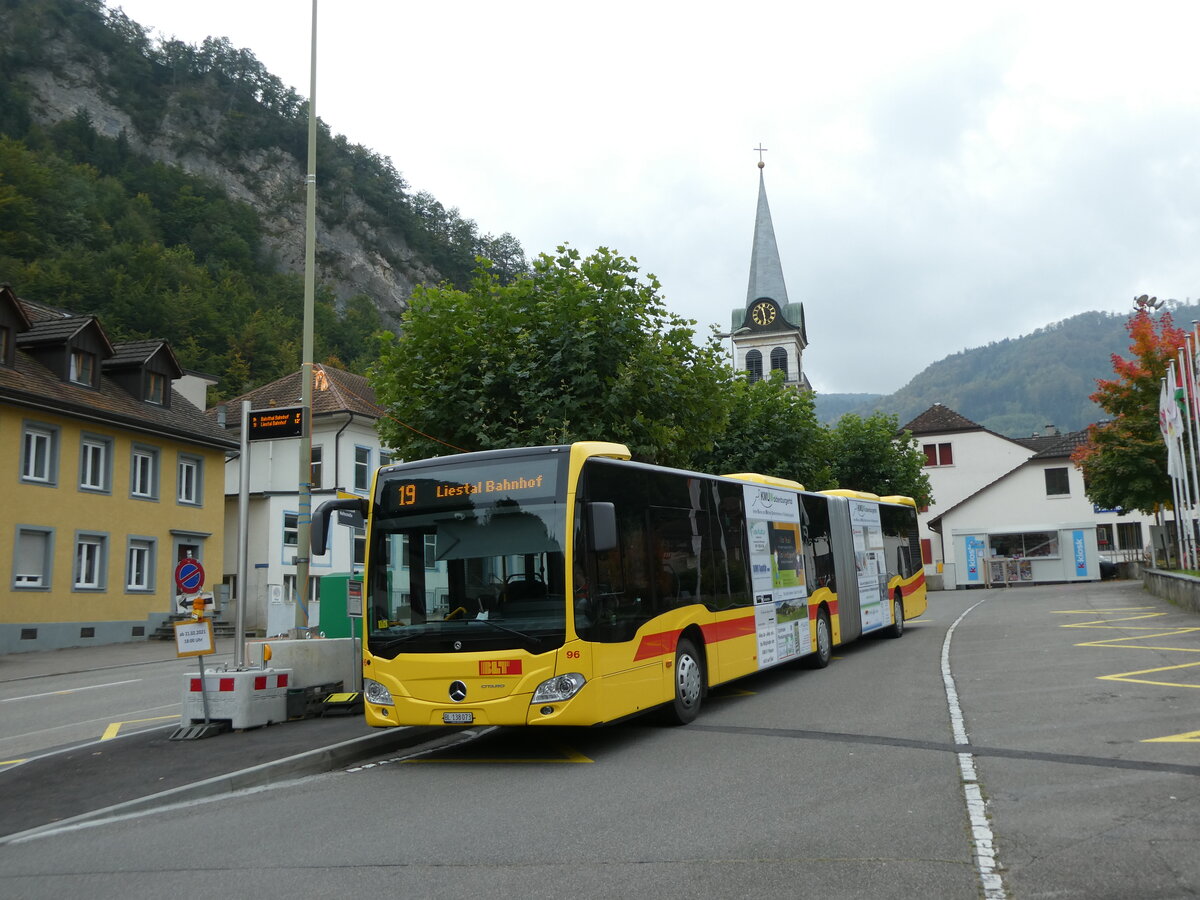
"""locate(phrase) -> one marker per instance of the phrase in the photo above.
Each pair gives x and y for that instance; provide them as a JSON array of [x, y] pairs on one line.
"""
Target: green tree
[[867, 455], [1124, 461], [579, 349], [773, 430]]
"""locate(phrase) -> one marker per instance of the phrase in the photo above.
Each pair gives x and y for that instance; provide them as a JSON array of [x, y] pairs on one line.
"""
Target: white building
[[345, 453], [1013, 509]]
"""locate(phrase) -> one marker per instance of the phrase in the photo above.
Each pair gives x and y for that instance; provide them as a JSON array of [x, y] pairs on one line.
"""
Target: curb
[[310, 762]]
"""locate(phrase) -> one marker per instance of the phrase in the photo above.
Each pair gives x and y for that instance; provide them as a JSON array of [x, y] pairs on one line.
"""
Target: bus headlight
[[376, 693], [558, 688]]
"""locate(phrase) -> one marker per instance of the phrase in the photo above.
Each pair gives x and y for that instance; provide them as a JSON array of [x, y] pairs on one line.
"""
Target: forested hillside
[[1016, 386], [161, 187]]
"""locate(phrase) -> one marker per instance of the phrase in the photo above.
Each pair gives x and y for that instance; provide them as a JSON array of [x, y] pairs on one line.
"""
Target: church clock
[[763, 313]]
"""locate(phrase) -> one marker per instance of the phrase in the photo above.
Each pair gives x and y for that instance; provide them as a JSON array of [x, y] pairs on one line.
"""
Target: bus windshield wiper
[[521, 634]]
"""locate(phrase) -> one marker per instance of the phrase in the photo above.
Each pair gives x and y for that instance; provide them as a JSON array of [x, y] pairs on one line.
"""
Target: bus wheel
[[897, 628], [820, 659], [689, 684]]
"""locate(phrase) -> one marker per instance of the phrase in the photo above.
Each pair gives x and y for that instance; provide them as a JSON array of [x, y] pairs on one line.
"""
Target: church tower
[[768, 332]]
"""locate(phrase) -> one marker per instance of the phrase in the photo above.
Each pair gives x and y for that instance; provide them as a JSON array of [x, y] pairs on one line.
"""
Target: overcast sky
[[940, 175]]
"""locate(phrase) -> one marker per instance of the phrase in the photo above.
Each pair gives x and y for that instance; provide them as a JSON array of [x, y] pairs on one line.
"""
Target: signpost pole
[[243, 550], [304, 516], [203, 689]]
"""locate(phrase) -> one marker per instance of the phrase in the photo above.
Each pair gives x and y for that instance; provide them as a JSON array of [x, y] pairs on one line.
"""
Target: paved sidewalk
[[147, 769]]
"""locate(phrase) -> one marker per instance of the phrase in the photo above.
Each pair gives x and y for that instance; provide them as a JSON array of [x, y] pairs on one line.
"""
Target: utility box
[[334, 594]]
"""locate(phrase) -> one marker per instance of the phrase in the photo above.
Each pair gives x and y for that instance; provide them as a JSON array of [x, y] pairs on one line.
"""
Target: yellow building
[[111, 477]]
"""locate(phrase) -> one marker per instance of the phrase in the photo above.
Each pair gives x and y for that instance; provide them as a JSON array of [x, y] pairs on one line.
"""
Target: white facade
[[1024, 500], [346, 452]]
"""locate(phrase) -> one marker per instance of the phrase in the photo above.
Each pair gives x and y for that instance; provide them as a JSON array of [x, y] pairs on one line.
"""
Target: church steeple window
[[779, 361], [754, 365]]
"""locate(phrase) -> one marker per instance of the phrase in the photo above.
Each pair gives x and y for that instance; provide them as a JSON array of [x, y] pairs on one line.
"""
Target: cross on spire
[[761, 150]]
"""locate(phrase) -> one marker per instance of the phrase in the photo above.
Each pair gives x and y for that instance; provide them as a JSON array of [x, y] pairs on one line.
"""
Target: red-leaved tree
[[1124, 461]]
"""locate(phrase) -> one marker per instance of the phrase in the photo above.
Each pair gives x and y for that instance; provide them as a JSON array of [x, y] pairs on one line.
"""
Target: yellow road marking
[[112, 730], [1127, 676], [11, 762], [1188, 737]]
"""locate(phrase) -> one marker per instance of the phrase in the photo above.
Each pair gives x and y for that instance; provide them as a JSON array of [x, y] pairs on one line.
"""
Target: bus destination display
[[519, 482]]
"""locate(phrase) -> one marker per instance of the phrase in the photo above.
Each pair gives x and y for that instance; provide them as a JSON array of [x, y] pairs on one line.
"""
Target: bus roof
[[767, 479]]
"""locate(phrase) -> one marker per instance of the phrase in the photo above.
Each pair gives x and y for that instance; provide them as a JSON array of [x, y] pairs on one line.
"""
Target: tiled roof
[[940, 419], [31, 385], [137, 353], [334, 391], [1062, 445]]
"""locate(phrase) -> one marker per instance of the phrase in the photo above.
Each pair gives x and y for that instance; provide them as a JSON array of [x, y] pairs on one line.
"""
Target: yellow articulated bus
[[572, 586]]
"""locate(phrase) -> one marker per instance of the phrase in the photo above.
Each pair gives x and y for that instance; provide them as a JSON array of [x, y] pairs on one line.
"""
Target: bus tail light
[[558, 688], [376, 693]]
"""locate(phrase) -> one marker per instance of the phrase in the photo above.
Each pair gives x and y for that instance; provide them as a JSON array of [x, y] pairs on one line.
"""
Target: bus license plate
[[463, 718]]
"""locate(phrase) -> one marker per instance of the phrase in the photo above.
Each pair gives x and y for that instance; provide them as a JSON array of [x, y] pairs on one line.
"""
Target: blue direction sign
[[189, 576]]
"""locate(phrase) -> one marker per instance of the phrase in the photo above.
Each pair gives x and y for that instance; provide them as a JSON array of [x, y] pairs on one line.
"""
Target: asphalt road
[[1078, 715], [138, 689]]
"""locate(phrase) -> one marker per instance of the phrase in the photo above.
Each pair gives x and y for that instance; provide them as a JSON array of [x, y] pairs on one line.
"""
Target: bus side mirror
[[319, 536], [602, 526]]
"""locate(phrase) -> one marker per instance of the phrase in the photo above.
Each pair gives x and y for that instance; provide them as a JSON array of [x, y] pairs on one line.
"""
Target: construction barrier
[[245, 699]]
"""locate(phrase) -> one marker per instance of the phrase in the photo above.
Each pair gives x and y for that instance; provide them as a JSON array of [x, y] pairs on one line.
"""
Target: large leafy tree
[[866, 455], [772, 429], [1124, 461], [579, 349]]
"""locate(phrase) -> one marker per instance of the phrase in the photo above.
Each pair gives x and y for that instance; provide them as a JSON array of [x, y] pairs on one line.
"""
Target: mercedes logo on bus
[[458, 691]]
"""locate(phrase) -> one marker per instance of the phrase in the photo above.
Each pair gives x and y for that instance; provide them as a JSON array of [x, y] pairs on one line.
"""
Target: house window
[[754, 365], [139, 565], [90, 559], [291, 529], [83, 367], [156, 388], [1025, 544], [1104, 537], [386, 457], [1057, 483], [190, 481], [314, 468], [95, 473], [289, 589], [143, 477], [362, 468], [779, 361], [5, 344], [1130, 535], [39, 455], [31, 565], [430, 551], [360, 546], [938, 454]]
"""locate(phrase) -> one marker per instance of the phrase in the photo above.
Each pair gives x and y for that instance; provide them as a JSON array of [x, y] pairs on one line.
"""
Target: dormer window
[[83, 368], [156, 388], [5, 345]]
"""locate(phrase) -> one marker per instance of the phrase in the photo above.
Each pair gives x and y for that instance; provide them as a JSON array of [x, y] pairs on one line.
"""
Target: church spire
[[766, 271]]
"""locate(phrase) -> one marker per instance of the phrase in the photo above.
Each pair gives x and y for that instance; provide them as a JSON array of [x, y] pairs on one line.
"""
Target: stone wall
[[1180, 590]]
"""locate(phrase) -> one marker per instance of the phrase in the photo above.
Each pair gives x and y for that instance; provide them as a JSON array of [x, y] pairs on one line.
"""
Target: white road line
[[75, 690], [987, 863]]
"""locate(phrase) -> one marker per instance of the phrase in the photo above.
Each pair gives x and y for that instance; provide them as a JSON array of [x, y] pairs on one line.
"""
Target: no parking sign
[[189, 576]]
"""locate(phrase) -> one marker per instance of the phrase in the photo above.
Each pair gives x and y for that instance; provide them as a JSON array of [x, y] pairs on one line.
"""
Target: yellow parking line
[[112, 730], [1188, 737]]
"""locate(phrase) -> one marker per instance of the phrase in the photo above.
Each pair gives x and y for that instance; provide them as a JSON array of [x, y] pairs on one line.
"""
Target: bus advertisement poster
[[777, 569], [871, 565]]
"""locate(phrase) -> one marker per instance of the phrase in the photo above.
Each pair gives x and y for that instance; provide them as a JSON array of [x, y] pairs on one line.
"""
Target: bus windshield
[[468, 558]]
